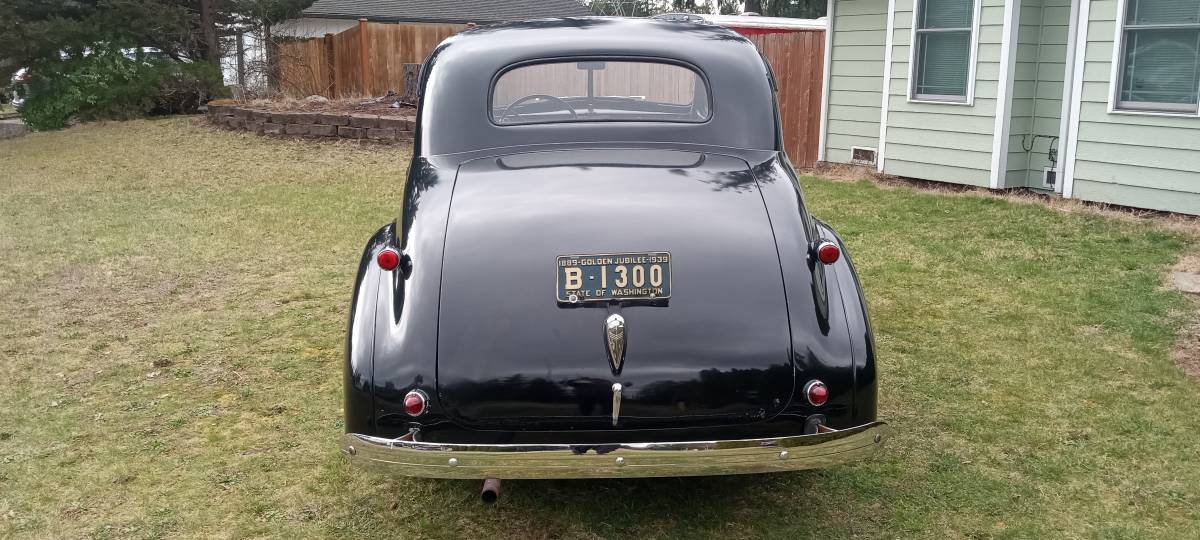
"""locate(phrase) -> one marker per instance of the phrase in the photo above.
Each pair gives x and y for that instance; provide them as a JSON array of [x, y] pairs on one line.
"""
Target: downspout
[[821, 138], [881, 146], [1072, 87], [1037, 85], [1008, 65]]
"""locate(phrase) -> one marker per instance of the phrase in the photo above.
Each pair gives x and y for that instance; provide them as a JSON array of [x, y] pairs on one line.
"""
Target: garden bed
[[334, 120], [381, 106]]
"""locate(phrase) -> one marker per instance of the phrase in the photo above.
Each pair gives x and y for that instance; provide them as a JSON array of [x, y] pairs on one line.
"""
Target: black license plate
[[613, 277]]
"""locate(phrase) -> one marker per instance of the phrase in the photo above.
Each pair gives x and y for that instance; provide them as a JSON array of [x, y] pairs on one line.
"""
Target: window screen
[[599, 90], [1160, 56], [942, 57]]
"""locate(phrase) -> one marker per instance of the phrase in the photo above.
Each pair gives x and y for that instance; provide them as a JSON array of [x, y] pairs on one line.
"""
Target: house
[[333, 16], [1089, 99]]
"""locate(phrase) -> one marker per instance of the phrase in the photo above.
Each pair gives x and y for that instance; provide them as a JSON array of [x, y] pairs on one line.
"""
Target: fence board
[[797, 58], [304, 69]]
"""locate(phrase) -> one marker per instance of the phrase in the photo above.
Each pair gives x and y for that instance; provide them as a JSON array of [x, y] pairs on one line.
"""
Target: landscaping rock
[[364, 120], [398, 123], [297, 129], [1187, 282], [381, 134], [12, 128], [285, 118], [272, 129], [333, 119], [348, 132], [322, 130]]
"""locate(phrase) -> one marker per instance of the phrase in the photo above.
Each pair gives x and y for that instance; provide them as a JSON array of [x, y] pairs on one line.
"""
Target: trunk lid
[[512, 357]]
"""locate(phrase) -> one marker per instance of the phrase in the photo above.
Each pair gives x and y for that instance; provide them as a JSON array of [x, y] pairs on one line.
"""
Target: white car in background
[[19, 88]]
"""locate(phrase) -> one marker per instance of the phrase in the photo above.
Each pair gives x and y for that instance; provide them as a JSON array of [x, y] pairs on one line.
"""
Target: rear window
[[600, 90]]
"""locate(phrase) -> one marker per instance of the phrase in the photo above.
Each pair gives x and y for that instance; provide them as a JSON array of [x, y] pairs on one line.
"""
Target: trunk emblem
[[614, 333], [616, 388]]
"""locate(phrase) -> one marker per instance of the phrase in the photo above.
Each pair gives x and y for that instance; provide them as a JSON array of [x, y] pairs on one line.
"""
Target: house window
[[1160, 56], [942, 54]]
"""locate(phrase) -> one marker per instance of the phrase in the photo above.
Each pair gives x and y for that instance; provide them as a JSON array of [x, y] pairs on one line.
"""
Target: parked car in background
[[604, 267], [19, 88]]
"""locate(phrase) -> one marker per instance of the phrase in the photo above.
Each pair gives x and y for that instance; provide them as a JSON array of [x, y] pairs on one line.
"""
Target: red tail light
[[388, 259], [828, 252], [414, 403], [816, 392]]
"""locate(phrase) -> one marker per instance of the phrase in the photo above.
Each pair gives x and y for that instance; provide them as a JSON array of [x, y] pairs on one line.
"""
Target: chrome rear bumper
[[624, 460]]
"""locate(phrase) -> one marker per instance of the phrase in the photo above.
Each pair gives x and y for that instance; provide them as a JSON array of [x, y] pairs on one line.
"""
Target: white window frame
[[913, 97], [1118, 61]]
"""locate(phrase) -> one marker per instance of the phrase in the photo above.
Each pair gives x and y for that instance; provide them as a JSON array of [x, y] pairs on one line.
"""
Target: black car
[[604, 267]]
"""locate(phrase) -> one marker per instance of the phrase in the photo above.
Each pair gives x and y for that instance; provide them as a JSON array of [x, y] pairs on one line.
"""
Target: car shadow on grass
[[727, 506]]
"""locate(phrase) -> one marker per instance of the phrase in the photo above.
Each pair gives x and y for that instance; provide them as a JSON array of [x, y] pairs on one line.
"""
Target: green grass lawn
[[174, 302]]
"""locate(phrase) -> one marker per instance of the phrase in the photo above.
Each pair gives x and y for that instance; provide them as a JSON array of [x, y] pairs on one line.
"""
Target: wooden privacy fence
[[371, 58], [366, 60], [797, 58]]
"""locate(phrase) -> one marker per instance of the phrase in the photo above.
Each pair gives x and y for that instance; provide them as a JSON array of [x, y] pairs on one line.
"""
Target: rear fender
[[831, 341], [360, 337], [392, 344], [844, 282]]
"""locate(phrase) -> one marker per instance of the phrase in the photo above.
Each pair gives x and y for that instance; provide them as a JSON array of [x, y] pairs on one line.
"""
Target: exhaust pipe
[[491, 490]]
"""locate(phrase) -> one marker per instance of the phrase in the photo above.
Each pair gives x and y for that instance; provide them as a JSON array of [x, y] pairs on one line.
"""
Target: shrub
[[109, 84]]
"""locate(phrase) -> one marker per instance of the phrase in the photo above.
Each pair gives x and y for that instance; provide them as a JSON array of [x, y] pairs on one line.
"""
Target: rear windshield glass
[[599, 90]]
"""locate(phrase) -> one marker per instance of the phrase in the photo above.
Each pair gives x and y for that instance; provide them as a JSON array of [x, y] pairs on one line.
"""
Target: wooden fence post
[[331, 66], [364, 49]]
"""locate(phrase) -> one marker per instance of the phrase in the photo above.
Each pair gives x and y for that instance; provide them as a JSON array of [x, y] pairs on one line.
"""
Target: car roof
[[460, 71]]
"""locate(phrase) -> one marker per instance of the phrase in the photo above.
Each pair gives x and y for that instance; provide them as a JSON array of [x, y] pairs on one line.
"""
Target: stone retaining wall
[[385, 129], [12, 128]]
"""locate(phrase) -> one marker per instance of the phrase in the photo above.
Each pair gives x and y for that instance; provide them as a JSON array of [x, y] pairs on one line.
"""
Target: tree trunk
[[272, 60], [241, 61], [208, 27], [753, 6]]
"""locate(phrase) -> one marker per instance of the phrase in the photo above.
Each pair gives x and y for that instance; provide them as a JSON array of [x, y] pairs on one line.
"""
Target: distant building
[[333, 16]]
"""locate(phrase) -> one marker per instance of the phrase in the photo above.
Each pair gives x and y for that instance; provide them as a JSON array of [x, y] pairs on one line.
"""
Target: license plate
[[614, 277]]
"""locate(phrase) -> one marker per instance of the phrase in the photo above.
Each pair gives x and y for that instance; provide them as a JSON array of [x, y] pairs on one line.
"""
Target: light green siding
[[1041, 52], [942, 141], [1128, 159], [1139, 160], [856, 77]]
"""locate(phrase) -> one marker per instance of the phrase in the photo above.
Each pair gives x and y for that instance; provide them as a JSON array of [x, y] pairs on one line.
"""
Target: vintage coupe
[[604, 267]]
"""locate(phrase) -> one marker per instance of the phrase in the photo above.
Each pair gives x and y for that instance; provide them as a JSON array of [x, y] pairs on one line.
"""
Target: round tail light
[[828, 252], [816, 392], [388, 259], [415, 402]]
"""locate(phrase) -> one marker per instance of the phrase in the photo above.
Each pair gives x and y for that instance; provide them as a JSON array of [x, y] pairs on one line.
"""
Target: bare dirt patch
[[1186, 352], [840, 171], [1180, 223]]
